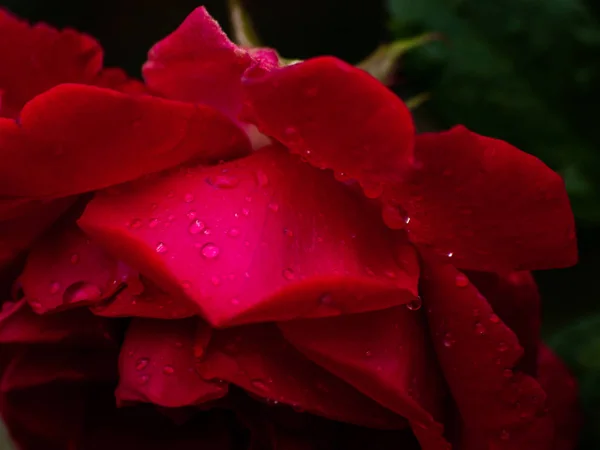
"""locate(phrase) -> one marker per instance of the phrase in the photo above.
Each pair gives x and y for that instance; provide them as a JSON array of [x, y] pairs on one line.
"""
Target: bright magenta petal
[[66, 270], [198, 63], [264, 238], [501, 407], [74, 139], [385, 355], [19, 325], [34, 366], [259, 360], [561, 388], [516, 300], [156, 365], [336, 116], [152, 303], [486, 205]]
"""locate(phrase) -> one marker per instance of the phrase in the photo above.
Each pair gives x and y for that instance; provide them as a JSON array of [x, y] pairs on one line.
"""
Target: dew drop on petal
[[196, 227], [479, 329], [188, 198], [233, 232], [450, 255], [82, 291], [494, 318], [142, 363], [135, 224], [215, 280], [415, 304], [153, 223], [261, 178], [274, 207], [259, 384], [168, 370], [210, 250], [54, 287], [143, 379], [502, 347], [461, 280], [223, 181], [288, 274], [368, 354], [161, 247], [448, 340]]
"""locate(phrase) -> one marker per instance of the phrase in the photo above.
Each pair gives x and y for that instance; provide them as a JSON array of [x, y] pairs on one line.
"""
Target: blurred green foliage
[[525, 71]]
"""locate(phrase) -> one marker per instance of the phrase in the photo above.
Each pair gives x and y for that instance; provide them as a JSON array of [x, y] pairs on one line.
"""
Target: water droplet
[[261, 178], [54, 287], [186, 284], [188, 198], [450, 255], [161, 247], [74, 258], [168, 370], [223, 181], [390, 274], [153, 223], [502, 347], [143, 379], [507, 373], [259, 384], [393, 217], [245, 212], [415, 305], [494, 318], [210, 250], [135, 224], [142, 363], [291, 132], [479, 329], [373, 190], [448, 340], [196, 227], [504, 435], [461, 280], [191, 214], [82, 292], [215, 280], [288, 232], [233, 232], [274, 207], [368, 354], [288, 274]]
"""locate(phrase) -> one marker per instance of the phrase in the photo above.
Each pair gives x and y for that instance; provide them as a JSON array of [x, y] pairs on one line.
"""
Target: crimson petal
[[152, 303], [561, 387], [263, 238], [501, 408], [156, 365], [34, 366], [66, 269], [75, 138], [19, 325], [259, 360], [336, 116], [486, 204], [198, 63], [516, 300], [385, 355]]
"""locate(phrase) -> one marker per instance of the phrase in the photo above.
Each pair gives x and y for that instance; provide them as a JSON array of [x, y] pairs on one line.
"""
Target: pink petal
[[486, 205], [501, 407], [263, 238], [156, 365], [385, 355], [336, 116], [124, 137], [260, 361]]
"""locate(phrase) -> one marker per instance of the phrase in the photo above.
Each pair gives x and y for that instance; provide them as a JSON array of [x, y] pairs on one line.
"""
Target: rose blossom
[[332, 281]]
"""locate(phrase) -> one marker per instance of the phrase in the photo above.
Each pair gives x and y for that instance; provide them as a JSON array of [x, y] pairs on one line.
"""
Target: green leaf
[[241, 25], [523, 71]]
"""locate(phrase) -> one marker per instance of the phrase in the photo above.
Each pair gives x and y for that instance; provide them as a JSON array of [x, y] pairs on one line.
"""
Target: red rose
[[262, 302]]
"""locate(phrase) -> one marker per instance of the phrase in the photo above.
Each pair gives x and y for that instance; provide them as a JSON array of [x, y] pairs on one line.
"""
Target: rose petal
[[336, 116], [257, 359], [385, 355], [152, 303], [501, 408], [561, 387], [35, 58], [486, 204], [60, 148], [263, 238], [516, 300], [198, 63], [26, 223], [66, 270], [156, 365], [34, 366]]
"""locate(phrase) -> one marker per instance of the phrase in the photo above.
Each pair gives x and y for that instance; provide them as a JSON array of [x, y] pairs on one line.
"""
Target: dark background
[[524, 71]]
